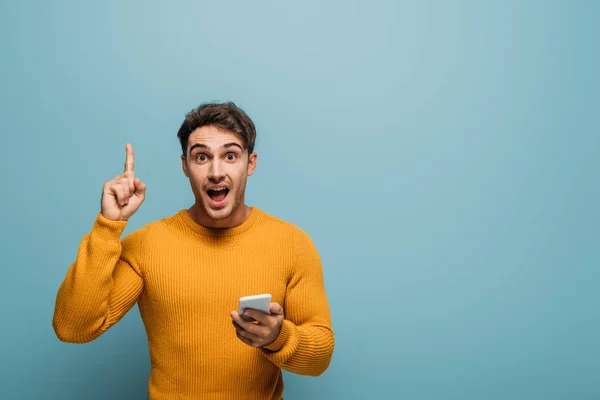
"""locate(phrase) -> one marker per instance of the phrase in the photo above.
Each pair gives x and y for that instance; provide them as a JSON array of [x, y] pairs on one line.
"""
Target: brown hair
[[226, 116]]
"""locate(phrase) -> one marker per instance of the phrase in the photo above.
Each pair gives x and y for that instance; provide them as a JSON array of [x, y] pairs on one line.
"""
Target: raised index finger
[[129, 157]]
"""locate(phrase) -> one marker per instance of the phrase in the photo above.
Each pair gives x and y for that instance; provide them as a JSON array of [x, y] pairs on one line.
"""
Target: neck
[[236, 218]]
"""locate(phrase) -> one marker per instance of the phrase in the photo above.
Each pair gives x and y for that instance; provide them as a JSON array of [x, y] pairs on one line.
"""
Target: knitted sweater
[[186, 278]]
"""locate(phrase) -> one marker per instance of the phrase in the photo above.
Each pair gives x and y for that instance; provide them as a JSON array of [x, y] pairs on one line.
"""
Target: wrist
[[282, 338], [107, 228]]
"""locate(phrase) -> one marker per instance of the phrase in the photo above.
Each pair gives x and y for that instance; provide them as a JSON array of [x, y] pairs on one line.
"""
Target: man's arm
[[306, 341], [101, 285], [105, 280]]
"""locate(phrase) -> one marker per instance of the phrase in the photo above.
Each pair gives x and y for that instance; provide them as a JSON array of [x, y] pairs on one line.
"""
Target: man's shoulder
[[302, 246], [284, 225], [272, 221], [157, 226]]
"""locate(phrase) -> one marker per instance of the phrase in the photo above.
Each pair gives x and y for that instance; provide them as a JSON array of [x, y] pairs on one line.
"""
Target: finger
[[259, 316], [128, 157], [247, 318], [236, 325], [245, 336], [245, 325], [107, 188], [124, 197], [140, 187], [276, 309], [119, 193], [243, 332], [244, 339], [127, 185]]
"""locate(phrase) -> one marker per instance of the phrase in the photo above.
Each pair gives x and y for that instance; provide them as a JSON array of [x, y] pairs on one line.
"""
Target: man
[[187, 272]]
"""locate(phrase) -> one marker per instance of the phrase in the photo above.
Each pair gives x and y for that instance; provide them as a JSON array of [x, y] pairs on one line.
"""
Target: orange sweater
[[186, 279]]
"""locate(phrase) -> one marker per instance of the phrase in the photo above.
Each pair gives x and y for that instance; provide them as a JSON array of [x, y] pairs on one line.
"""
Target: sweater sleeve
[[101, 285], [306, 341]]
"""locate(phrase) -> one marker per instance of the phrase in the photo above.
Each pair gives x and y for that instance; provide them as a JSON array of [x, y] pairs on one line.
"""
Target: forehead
[[212, 136]]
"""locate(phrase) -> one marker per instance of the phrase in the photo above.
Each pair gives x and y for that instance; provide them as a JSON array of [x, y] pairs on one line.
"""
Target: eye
[[231, 156], [201, 157]]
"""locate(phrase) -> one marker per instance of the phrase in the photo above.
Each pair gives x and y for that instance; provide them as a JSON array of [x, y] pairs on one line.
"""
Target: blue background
[[442, 155]]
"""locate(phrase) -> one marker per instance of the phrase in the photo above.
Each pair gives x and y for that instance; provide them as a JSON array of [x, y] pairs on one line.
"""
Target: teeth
[[218, 189]]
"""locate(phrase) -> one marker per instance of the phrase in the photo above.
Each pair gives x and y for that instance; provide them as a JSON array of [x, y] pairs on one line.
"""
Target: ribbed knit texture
[[186, 279]]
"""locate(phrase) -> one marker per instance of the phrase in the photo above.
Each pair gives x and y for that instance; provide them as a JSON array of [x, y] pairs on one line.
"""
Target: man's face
[[218, 166]]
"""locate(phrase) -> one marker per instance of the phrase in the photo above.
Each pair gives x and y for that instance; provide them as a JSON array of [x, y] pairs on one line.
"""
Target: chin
[[220, 214]]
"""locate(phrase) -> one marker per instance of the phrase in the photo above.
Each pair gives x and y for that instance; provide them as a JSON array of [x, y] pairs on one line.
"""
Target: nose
[[216, 172]]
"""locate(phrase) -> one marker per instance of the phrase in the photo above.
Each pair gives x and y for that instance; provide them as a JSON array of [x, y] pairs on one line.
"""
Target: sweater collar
[[220, 232]]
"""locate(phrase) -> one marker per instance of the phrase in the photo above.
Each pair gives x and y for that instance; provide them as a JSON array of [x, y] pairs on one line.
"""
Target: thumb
[[276, 309], [140, 187]]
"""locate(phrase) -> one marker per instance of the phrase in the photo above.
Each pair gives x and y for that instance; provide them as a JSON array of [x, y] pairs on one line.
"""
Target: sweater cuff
[[107, 229], [282, 339]]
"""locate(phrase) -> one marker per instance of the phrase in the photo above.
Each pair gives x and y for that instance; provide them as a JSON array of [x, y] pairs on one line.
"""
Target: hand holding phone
[[260, 302], [263, 324]]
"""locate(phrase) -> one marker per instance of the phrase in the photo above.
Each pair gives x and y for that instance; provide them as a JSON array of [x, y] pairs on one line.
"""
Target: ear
[[251, 163], [184, 166]]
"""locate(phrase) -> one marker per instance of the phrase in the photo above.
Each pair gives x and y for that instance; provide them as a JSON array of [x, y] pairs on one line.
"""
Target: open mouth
[[218, 195]]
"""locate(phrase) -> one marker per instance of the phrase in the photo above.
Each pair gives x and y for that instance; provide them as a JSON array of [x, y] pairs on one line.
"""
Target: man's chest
[[206, 278]]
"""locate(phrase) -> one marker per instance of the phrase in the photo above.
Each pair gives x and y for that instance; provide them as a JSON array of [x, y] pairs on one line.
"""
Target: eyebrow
[[203, 146]]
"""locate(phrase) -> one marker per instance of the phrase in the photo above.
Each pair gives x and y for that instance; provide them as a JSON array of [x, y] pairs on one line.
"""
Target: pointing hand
[[124, 194]]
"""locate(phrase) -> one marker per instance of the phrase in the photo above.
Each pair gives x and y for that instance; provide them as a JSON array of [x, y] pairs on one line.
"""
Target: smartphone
[[260, 302]]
